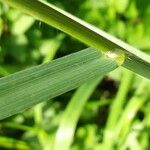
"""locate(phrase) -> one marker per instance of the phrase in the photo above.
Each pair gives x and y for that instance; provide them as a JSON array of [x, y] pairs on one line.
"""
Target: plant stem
[[85, 32], [19, 126]]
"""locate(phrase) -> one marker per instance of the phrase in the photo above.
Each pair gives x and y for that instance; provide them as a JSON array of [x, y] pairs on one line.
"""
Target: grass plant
[[56, 125]]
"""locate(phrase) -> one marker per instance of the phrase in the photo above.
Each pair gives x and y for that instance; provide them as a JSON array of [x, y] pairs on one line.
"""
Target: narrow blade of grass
[[85, 32], [118, 103], [116, 108], [65, 132], [18, 126], [130, 111], [24, 89]]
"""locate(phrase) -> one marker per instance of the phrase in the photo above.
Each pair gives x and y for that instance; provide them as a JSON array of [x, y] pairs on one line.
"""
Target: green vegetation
[[110, 110], [85, 32]]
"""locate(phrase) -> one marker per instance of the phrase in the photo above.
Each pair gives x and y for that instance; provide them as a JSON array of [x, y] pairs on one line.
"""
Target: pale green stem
[[135, 60]]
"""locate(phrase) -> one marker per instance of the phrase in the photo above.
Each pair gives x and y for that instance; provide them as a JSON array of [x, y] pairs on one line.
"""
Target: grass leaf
[[26, 88], [85, 32]]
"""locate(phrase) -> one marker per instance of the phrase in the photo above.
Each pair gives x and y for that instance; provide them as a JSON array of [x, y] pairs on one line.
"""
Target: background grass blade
[[26, 88], [85, 32], [116, 108], [12, 143], [65, 132], [130, 111]]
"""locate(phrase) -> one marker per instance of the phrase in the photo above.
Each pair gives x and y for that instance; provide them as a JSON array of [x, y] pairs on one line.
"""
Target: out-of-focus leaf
[[12, 143], [48, 48], [65, 132], [22, 24]]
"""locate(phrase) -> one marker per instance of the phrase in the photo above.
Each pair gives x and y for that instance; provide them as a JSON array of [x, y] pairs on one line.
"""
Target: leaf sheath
[[84, 32]]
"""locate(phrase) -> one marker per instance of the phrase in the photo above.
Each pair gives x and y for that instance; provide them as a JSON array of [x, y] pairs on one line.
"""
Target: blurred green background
[[26, 42]]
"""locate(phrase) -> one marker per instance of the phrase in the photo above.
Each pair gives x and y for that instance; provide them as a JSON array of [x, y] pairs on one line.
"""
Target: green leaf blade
[[24, 89]]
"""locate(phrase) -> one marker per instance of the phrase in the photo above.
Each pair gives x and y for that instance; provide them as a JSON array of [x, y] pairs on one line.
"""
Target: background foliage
[[26, 42]]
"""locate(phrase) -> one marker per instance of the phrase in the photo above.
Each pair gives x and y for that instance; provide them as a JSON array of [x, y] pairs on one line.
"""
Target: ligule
[[118, 55]]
